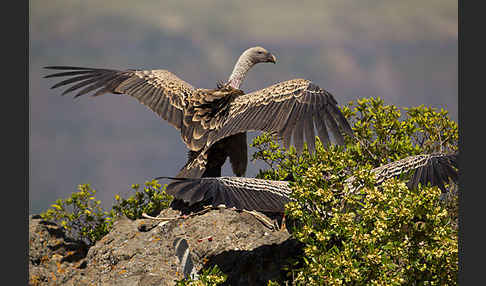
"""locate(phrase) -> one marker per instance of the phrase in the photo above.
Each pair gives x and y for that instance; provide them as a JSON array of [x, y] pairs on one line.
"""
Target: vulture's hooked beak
[[271, 59]]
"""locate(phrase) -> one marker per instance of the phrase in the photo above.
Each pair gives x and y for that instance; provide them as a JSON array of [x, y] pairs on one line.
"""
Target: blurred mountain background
[[405, 52]]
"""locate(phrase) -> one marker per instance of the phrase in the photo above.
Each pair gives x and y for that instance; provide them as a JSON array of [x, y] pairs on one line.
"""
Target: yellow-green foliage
[[209, 277], [83, 218], [386, 234], [151, 200], [81, 215]]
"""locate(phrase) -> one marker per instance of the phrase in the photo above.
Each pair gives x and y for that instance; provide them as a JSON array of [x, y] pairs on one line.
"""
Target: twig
[[366, 148], [159, 218], [258, 216], [206, 209], [262, 219]]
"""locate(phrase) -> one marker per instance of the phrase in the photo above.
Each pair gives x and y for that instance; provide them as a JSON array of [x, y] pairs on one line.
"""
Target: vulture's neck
[[243, 65]]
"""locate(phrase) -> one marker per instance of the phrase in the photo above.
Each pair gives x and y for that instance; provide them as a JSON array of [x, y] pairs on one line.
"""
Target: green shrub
[[151, 200], [81, 215], [386, 234], [83, 218], [389, 235]]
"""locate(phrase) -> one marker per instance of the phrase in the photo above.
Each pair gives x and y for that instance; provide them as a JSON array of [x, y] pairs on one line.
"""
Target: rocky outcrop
[[153, 252], [53, 258]]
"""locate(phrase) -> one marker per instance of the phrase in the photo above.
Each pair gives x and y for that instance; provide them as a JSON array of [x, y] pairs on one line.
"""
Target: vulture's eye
[[260, 52]]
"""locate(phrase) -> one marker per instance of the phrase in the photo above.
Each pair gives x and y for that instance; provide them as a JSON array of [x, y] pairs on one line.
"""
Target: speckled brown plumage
[[291, 109]]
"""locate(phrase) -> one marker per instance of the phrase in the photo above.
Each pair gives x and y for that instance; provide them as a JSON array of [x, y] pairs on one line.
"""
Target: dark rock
[[143, 251]]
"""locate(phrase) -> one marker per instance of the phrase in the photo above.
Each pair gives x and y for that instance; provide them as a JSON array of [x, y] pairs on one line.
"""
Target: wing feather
[[68, 73], [136, 89], [96, 84], [310, 136], [241, 193], [339, 118], [278, 108], [322, 130], [440, 177], [74, 79], [286, 131], [332, 126], [415, 180], [425, 176], [160, 90], [298, 135], [130, 83], [163, 107], [431, 175], [81, 84], [435, 168], [159, 100], [145, 95], [281, 115]]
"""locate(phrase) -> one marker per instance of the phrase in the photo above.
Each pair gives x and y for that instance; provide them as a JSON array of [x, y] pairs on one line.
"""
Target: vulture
[[271, 196], [213, 122]]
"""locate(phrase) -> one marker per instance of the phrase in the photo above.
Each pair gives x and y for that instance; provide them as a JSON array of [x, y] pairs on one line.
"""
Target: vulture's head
[[248, 59], [260, 55]]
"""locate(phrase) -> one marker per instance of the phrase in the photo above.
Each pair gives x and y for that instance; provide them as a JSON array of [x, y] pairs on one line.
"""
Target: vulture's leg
[[216, 158], [237, 150]]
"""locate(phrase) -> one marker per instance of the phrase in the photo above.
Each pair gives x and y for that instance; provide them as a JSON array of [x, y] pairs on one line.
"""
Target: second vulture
[[262, 195], [214, 122]]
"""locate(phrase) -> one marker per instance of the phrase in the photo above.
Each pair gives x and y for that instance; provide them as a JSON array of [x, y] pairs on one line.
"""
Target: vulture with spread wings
[[262, 195], [213, 122]]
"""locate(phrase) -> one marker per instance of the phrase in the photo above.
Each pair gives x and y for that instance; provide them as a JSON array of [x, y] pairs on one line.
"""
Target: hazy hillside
[[402, 51]]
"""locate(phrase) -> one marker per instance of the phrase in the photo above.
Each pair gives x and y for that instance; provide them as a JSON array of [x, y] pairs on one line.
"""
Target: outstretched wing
[[238, 192], [264, 195], [293, 108], [436, 169], [160, 90]]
